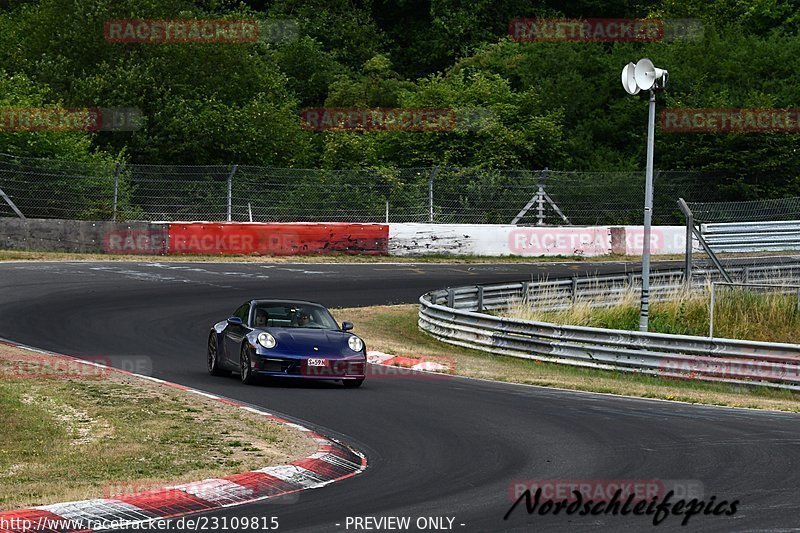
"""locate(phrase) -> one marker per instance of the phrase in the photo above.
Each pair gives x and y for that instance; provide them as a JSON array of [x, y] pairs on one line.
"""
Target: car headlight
[[266, 340], [355, 343]]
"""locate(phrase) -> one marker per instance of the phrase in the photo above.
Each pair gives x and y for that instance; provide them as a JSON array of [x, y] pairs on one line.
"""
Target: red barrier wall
[[278, 239]]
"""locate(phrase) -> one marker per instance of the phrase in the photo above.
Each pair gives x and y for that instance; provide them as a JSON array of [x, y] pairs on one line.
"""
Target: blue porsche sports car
[[286, 338]]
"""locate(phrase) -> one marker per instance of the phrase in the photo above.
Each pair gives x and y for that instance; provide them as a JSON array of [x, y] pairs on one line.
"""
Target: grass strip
[[69, 435]]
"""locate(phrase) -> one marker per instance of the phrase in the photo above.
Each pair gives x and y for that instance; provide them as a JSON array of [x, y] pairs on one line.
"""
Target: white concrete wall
[[533, 241], [663, 240]]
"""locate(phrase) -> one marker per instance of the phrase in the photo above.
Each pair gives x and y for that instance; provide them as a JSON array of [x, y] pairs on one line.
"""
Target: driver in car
[[303, 319], [261, 318]]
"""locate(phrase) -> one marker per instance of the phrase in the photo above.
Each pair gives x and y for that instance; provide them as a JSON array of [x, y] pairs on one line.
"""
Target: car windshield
[[292, 315]]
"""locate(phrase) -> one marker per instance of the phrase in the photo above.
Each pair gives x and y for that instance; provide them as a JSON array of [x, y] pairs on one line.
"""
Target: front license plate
[[316, 362]]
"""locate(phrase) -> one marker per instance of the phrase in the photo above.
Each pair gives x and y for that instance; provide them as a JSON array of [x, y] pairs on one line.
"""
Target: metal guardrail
[[455, 316], [752, 236]]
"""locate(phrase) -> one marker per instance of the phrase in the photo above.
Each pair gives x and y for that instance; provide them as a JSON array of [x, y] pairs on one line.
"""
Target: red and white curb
[[412, 363], [333, 461]]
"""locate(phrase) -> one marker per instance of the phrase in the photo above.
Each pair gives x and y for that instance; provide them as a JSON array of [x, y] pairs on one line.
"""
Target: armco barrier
[[752, 236], [455, 316]]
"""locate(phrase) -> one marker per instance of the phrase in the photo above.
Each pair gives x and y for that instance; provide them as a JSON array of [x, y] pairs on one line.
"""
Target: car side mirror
[[347, 326], [235, 321]]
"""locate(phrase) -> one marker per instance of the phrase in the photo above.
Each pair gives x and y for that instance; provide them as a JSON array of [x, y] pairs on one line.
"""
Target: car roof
[[283, 300]]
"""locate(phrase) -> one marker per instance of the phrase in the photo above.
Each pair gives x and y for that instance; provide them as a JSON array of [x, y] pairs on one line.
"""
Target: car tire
[[212, 357], [245, 371], [352, 383]]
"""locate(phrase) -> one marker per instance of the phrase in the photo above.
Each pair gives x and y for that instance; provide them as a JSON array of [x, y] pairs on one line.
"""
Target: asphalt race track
[[436, 446]]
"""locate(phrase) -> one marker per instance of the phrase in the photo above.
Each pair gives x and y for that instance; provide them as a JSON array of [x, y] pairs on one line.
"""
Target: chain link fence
[[45, 188]]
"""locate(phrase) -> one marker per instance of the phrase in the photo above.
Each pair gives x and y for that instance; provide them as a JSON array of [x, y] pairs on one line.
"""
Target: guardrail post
[[574, 289], [745, 274], [430, 192], [480, 298], [451, 297], [687, 272], [230, 191], [711, 311], [116, 191], [630, 279]]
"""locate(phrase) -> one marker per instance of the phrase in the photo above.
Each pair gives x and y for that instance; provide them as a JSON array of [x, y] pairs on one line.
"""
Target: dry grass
[[393, 329], [76, 437], [739, 313]]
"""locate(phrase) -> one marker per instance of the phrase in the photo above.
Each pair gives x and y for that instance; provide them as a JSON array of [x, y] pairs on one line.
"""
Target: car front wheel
[[245, 368]]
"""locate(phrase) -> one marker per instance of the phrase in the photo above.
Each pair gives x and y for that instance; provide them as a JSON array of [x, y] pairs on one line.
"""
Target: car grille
[[355, 368], [271, 365]]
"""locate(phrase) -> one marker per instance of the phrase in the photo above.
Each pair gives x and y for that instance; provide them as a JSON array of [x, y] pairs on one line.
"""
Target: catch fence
[[46, 188]]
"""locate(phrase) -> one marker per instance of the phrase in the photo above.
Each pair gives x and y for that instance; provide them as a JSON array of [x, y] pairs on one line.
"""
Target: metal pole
[[648, 215], [230, 191], [711, 312], [430, 192], [116, 191], [11, 204], [387, 210], [688, 266], [540, 192]]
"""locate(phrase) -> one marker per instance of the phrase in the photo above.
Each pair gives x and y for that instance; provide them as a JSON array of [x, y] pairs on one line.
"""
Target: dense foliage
[[556, 105]]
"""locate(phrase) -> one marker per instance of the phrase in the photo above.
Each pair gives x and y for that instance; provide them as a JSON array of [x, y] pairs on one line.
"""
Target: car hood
[[302, 339]]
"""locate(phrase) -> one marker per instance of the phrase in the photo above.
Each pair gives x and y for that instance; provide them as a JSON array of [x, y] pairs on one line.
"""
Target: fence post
[[711, 311], [116, 191], [688, 266], [574, 289], [430, 192], [480, 298], [451, 297], [230, 191], [11, 204], [687, 269], [540, 201]]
